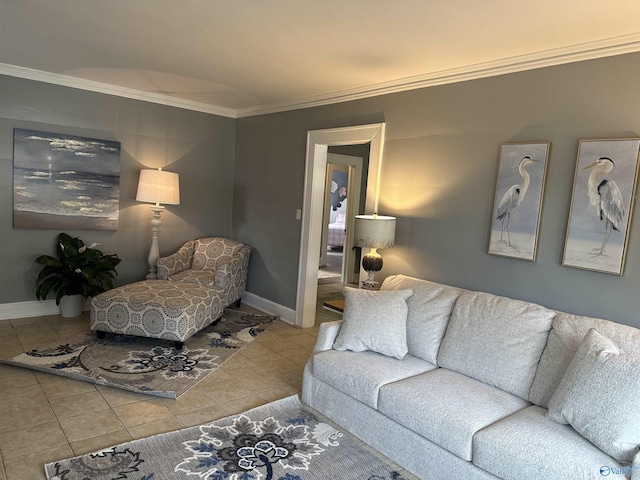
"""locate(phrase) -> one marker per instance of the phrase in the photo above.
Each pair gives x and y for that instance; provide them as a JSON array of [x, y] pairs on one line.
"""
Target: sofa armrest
[[327, 334], [635, 467], [176, 262]]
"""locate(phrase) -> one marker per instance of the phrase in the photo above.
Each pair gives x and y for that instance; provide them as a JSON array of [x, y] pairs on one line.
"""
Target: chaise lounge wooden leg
[[100, 334], [238, 302], [178, 345]]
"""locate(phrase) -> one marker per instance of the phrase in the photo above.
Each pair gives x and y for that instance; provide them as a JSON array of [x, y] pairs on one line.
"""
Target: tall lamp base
[[154, 253]]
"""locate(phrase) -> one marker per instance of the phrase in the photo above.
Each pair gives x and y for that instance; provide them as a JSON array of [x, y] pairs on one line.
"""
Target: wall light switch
[[298, 214]]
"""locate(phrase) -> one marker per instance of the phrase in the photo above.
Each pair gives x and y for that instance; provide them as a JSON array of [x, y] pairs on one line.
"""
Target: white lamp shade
[[375, 231], [158, 186]]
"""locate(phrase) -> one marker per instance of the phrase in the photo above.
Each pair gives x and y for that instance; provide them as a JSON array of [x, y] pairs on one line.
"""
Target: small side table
[[334, 305]]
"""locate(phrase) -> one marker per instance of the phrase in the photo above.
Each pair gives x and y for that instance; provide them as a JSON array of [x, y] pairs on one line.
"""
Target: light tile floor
[[46, 417]]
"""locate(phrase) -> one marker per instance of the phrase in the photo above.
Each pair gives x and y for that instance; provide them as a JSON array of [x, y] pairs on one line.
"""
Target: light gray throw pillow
[[374, 321], [598, 396]]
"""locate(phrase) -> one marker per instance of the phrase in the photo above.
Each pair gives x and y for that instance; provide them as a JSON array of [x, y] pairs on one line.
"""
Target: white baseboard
[[286, 314], [33, 309], [28, 309], [49, 307]]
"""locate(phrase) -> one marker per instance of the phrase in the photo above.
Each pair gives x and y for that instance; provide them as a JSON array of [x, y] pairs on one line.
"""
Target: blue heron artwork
[[65, 182], [603, 192], [518, 200]]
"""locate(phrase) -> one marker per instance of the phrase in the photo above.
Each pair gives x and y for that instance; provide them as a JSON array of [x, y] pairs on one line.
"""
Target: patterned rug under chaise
[[283, 440], [147, 365]]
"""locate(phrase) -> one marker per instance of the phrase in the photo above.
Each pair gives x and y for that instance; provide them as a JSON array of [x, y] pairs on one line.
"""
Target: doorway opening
[[334, 228], [318, 143], [342, 202]]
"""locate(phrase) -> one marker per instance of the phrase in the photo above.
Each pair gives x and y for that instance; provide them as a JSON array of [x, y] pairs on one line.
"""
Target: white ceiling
[[245, 57]]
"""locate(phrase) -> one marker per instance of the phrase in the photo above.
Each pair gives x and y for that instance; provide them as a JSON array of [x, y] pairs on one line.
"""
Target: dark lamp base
[[372, 262]]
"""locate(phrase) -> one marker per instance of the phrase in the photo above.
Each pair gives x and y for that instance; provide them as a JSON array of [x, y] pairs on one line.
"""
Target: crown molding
[[547, 58], [99, 87]]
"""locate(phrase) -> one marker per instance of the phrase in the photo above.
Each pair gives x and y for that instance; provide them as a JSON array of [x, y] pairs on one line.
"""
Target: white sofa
[[471, 396]]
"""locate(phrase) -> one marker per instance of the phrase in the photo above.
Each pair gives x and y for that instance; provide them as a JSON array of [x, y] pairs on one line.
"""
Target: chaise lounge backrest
[[213, 261]]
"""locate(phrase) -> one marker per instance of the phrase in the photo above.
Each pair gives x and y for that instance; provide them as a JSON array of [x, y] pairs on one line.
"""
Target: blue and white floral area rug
[[282, 440], [147, 365]]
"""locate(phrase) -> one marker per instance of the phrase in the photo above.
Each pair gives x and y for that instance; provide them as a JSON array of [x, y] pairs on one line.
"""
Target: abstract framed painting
[[517, 207], [604, 187], [65, 182]]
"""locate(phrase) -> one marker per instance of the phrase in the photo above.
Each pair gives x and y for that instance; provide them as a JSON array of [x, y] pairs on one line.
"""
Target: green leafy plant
[[78, 270]]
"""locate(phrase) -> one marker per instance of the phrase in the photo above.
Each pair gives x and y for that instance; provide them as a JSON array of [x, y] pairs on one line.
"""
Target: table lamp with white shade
[[158, 187], [373, 231]]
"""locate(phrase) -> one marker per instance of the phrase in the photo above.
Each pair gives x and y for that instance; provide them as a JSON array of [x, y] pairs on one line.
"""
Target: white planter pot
[[71, 305]]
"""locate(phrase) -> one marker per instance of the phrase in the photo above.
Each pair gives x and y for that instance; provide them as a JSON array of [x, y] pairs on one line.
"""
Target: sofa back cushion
[[564, 339], [429, 310], [496, 340]]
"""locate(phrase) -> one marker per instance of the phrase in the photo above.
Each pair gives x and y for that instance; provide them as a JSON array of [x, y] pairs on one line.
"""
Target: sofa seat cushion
[[447, 407], [360, 375], [528, 444], [430, 308], [496, 340], [201, 277]]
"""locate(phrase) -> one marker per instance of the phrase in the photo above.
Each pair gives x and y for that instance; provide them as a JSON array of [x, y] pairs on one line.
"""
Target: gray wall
[[438, 178], [200, 147]]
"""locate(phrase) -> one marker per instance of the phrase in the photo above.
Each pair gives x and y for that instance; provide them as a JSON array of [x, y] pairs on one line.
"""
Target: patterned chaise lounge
[[194, 286]]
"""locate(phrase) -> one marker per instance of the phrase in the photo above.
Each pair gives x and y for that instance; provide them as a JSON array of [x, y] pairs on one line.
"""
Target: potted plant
[[78, 271]]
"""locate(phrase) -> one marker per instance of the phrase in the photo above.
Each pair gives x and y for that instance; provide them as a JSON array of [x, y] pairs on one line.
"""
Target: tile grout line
[[53, 412]]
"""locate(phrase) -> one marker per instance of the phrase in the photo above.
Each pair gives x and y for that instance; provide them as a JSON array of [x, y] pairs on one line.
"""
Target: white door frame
[[318, 142]]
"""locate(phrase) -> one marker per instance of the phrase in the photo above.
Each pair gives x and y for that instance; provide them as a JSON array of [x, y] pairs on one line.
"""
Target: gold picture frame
[[604, 187], [517, 208]]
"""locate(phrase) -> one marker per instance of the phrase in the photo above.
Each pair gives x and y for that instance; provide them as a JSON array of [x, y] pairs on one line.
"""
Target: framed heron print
[[600, 215], [517, 207]]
